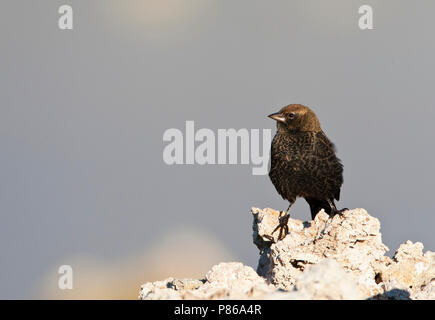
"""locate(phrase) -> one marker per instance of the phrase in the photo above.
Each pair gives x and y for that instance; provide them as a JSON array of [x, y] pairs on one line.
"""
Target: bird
[[304, 163]]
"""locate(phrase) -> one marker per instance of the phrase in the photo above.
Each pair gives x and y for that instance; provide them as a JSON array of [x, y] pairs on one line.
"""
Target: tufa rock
[[412, 271], [326, 280], [352, 239], [231, 280], [342, 257]]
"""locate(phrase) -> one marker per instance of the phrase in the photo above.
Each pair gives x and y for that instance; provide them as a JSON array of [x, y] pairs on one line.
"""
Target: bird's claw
[[339, 212], [282, 226]]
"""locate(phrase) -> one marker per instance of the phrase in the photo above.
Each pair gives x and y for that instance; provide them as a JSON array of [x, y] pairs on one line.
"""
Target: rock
[[393, 290], [185, 284], [328, 258], [159, 290], [352, 239], [411, 271], [231, 280], [236, 280], [327, 280]]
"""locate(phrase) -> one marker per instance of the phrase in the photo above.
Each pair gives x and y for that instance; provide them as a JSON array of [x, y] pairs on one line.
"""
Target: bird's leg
[[334, 209], [283, 220]]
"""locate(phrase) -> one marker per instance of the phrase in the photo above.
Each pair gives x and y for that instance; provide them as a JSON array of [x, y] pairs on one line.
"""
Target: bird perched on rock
[[303, 162]]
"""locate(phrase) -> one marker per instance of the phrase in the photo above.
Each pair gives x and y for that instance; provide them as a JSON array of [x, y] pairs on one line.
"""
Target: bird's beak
[[277, 116]]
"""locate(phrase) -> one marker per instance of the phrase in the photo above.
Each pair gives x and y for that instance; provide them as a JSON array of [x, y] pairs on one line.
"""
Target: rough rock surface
[[230, 280], [352, 239], [328, 258]]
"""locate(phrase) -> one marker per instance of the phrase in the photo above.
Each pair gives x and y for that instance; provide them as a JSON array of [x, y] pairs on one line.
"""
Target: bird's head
[[296, 117]]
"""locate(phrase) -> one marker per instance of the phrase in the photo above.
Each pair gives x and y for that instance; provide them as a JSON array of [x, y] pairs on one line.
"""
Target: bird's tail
[[316, 205]]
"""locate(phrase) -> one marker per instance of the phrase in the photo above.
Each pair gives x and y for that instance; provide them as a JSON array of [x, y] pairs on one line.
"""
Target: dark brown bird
[[303, 162]]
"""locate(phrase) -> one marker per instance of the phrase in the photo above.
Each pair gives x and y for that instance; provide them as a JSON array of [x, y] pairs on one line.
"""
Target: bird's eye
[[291, 115]]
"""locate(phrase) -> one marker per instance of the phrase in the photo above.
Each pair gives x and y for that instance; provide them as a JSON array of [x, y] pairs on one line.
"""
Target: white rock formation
[[227, 280], [328, 258]]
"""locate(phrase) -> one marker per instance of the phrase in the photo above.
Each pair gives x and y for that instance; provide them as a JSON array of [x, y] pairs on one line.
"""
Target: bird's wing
[[325, 149]]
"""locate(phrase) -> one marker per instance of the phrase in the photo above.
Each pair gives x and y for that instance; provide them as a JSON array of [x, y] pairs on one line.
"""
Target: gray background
[[82, 115]]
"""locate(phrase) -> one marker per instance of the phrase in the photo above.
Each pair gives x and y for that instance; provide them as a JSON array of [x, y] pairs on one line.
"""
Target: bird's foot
[[282, 226], [339, 212]]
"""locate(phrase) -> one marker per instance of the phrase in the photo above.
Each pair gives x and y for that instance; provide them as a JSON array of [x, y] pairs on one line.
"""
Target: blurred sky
[[82, 115]]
